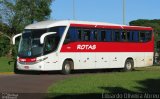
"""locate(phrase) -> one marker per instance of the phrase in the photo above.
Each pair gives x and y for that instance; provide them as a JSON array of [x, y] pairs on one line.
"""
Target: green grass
[[142, 80], [4, 66]]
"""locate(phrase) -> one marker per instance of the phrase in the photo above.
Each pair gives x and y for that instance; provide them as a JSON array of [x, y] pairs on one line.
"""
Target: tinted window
[[108, 35], [80, 36], [51, 43], [103, 35], [129, 36], [148, 35], [142, 36], [59, 30], [135, 35], [83, 34], [71, 35], [86, 35], [123, 36], [116, 36], [95, 33]]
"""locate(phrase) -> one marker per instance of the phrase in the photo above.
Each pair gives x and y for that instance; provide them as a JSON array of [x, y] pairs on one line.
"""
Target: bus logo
[[86, 47]]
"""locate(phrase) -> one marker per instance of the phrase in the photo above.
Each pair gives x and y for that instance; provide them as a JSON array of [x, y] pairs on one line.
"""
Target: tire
[[66, 68], [129, 65], [16, 71], [15, 67]]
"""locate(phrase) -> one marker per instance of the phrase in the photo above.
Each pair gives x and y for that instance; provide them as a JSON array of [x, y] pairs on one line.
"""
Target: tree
[[155, 24], [16, 14]]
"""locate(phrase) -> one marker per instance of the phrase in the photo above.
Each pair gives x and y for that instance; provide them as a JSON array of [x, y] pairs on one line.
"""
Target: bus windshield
[[30, 42]]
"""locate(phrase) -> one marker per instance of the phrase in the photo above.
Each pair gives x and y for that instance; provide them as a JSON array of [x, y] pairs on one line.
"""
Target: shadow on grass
[[150, 86]]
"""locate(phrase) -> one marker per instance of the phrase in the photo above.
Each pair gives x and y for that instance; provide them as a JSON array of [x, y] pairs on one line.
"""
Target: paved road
[[20, 83]]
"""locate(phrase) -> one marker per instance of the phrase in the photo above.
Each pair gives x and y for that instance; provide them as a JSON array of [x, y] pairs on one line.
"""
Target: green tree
[[16, 14], [155, 24]]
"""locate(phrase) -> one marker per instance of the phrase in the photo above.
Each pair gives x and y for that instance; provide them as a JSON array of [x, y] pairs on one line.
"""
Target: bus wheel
[[66, 68], [129, 65], [16, 71]]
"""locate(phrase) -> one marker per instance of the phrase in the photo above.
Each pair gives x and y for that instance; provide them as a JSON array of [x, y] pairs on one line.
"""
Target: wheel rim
[[67, 67], [128, 65]]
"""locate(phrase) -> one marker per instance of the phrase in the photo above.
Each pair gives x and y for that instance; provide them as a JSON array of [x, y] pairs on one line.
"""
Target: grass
[[142, 80], [4, 66]]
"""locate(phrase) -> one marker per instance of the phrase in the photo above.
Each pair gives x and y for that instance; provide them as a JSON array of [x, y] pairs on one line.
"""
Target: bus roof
[[53, 23]]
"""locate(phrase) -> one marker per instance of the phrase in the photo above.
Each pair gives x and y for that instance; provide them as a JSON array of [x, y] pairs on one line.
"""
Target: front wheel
[[66, 68], [16, 71], [129, 65]]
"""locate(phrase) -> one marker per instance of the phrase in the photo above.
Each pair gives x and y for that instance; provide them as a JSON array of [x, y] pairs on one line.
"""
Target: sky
[[105, 10]]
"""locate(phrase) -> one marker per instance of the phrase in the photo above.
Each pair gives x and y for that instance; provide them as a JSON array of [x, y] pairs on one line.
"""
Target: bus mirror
[[44, 35], [14, 38]]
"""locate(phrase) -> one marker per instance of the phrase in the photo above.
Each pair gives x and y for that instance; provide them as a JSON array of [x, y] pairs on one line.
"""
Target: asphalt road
[[23, 83]]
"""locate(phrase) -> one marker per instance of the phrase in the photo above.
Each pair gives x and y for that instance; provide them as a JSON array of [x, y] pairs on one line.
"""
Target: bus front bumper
[[30, 66]]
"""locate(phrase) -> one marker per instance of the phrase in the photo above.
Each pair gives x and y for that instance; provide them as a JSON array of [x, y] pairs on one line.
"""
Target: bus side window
[[80, 36], [135, 36], [108, 35], [123, 36], [103, 35], [86, 35], [142, 36], [148, 35], [129, 36], [70, 36], [60, 31], [50, 43], [92, 35], [116, 35], [95, 33]]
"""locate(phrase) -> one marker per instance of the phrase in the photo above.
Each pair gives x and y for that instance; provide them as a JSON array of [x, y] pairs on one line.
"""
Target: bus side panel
[[103, 60], [117, 59], [142, 59], [80, 60], [149, 58], [51, 61]]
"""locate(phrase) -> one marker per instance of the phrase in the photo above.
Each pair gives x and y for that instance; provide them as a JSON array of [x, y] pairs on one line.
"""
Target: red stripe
[[82, 25], [137, 28], [95, 26], [111, 27], [110, 47]]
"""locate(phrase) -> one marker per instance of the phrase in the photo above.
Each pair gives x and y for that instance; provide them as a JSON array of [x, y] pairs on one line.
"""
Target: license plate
[[26, 67]]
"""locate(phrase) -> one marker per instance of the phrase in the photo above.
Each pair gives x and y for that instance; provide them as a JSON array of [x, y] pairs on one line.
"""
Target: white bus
[[72, 45]]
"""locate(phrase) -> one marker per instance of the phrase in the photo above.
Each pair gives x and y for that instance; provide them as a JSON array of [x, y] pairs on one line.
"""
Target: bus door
[[50, 57], [50, 61]]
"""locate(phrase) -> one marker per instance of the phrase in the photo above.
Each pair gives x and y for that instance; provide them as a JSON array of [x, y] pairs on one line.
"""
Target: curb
[[6, 73]]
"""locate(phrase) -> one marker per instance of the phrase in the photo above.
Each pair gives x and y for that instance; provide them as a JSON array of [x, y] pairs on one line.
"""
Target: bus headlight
[[42, 59]]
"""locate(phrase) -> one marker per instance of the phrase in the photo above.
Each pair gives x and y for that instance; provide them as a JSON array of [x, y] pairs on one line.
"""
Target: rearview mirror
[[14, 38], [44, 35]]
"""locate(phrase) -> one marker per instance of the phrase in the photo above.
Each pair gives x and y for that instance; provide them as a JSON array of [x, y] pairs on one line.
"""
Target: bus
[[68, 45]]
